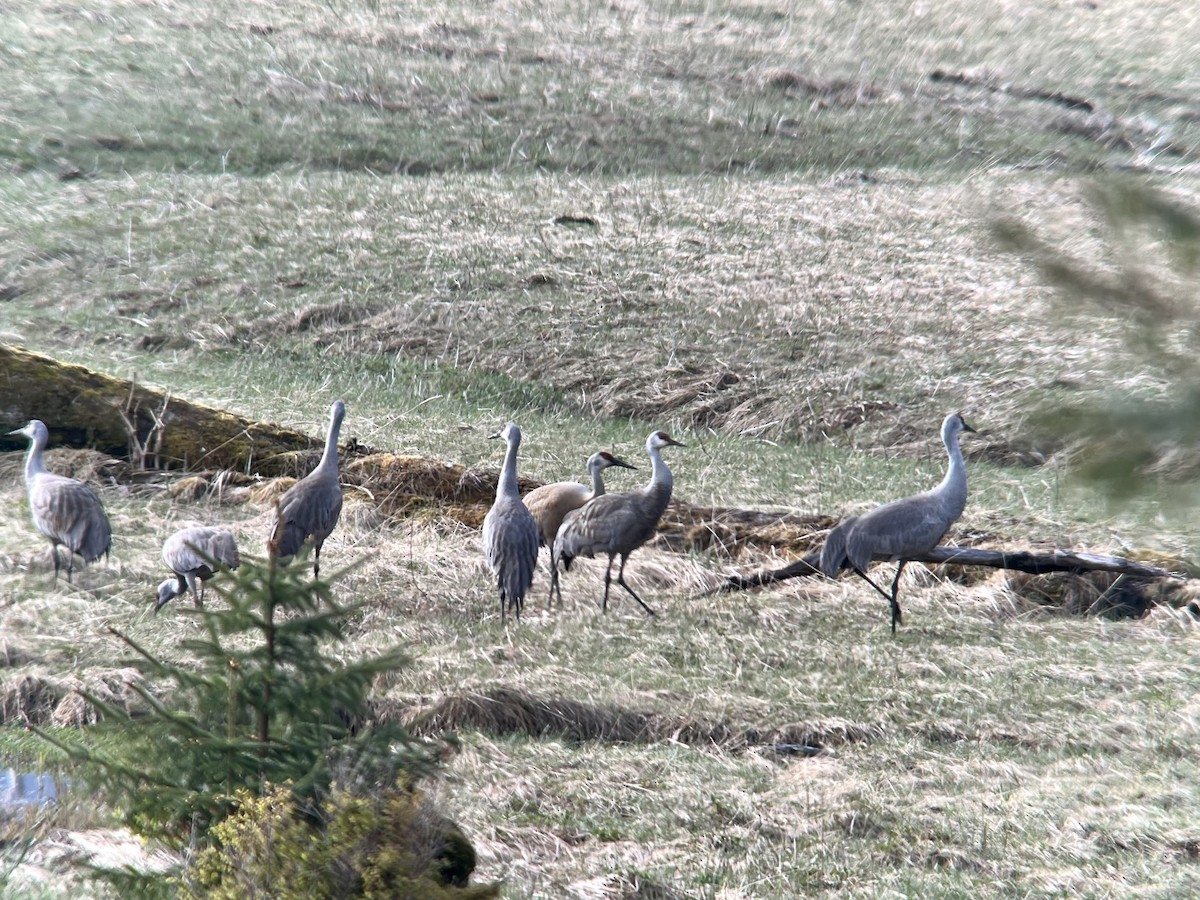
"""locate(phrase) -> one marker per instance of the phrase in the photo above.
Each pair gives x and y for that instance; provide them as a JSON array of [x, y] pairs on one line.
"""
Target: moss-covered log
[[83, 408]]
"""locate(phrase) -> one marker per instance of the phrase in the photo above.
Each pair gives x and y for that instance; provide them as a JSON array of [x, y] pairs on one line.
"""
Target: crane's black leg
[[555, 587], [889, 596], [897, 619], [882, 593], [317, 560], [632, 592], [607, 582]]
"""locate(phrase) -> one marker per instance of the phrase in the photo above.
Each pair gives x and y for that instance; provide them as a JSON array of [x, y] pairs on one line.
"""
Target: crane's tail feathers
[[833, 552], [287, 540]]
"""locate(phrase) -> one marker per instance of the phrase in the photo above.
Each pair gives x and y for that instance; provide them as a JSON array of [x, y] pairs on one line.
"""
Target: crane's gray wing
[[70, 512], [604, 524], [180, 550], [510, 544], [309, 507], [490, 543], [905, 527], [223, 548], [196, 549]]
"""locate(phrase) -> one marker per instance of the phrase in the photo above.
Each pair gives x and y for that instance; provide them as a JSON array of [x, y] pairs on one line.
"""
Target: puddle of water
[[19, 789]]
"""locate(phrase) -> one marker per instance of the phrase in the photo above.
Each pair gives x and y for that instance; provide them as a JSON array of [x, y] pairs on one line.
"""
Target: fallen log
[[1030, 561], [85, 408]]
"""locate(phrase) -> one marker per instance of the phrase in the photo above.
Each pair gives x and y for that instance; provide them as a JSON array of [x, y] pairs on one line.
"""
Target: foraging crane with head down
[[902, 528], [195, 554], [617, 524], [510, 534], [550, 503], [311, 506], [65, 510]]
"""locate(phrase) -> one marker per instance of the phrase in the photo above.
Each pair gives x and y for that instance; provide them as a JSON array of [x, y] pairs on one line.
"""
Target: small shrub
[[390, 845]]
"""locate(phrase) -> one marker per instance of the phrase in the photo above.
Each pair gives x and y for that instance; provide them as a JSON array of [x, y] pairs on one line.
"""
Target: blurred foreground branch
[[1143, 270]]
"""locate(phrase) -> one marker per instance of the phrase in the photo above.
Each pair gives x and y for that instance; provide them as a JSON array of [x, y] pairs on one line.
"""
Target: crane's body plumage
[[311, 506], [550, 504], [66, 511], [195, 554], [510, 534], [902, 528], [617, 524]]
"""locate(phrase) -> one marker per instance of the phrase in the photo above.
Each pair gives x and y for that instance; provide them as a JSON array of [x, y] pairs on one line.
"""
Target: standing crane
[[550, 503], [617, 524], [902, 528], [195, 554], [311, 506], [510, 534], [65, 510]]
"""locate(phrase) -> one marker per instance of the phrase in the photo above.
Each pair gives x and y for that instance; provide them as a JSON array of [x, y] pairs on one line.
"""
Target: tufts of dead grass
[[29, 699], [406, 484], [727, 532], [507, 711], [1104, 594], [33, 699]]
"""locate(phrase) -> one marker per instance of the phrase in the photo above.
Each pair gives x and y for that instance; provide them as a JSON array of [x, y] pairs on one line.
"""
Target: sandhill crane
[[550, 503], [311, 506], [195, 554], [65, 510], [902, 528], [617, 524], [510, 535]]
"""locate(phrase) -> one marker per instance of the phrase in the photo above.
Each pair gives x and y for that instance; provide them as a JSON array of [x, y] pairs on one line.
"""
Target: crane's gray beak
[[621, 463]]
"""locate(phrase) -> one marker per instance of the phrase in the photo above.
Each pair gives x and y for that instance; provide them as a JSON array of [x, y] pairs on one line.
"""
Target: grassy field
[[764, 227]]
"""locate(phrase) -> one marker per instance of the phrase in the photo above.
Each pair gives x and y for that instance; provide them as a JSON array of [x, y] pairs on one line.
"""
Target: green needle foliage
[[261, 699], [1141, 268]]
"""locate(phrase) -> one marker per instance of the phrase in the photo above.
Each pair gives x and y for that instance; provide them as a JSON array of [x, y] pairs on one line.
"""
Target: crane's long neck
[[953, 488], [33, 459], [597, 470], [329, 458], [508, 475], [661, 480]]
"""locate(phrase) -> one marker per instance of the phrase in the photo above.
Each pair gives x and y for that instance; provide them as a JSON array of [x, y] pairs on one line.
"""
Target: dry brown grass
[[673, 752], [763, 227], [504, 711]]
